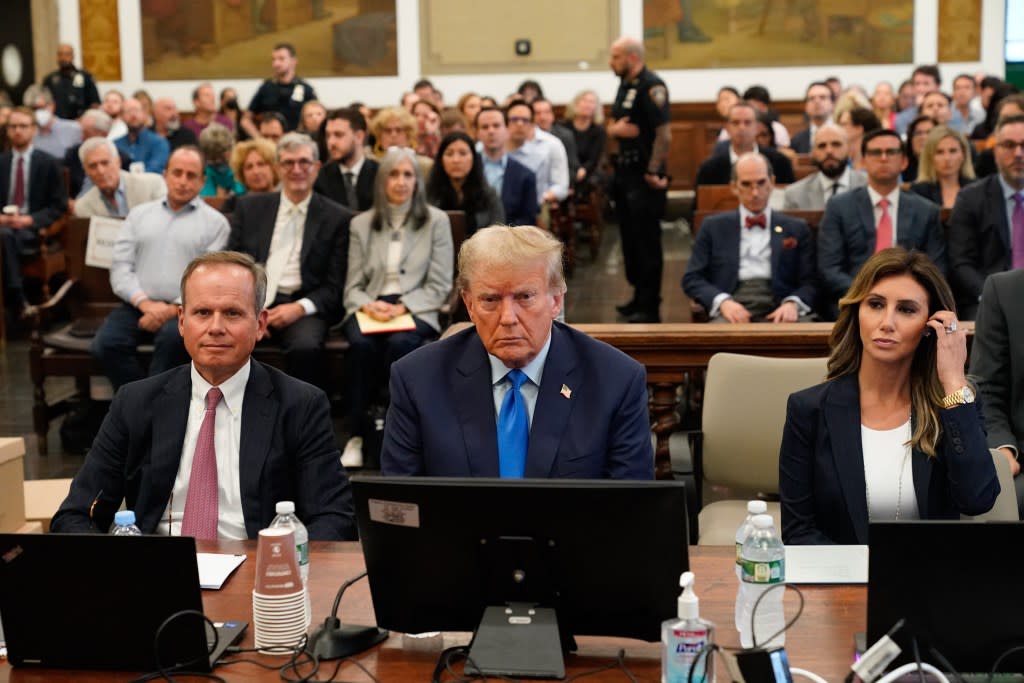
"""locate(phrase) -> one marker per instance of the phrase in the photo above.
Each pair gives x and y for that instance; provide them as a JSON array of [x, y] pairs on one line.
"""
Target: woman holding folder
[[399, 273]]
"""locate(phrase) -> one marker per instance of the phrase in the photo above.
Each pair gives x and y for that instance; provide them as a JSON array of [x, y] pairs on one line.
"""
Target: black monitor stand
[[520, 640]]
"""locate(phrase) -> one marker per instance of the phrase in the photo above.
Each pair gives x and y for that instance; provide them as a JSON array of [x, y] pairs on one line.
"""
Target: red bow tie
[[756, 221]]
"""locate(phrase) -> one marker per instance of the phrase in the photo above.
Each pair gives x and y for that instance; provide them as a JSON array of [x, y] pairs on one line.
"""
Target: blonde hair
[[926, 162], [570, 109], [404, 118], [503, 245], [265, 148]]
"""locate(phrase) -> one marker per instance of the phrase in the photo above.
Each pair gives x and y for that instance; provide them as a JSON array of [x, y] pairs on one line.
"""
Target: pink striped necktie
[[201, 513], [883, 233]]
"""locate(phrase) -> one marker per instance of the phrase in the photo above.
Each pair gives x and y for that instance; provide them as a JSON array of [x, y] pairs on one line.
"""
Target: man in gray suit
[[998, 365], [114, 192], [831, 154], [868, 219]]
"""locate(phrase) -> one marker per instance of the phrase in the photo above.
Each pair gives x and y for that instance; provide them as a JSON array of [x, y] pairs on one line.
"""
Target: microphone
[[335, 640]]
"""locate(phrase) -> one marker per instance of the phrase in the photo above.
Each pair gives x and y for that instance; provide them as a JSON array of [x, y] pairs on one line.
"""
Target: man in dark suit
[[302, 237], [518, 395], [208, 449], [997, 361], [741, 124], [348, 176], [752, 265], [511, 180], [858, 223], [819, 101], [982, 234], [32, 183]]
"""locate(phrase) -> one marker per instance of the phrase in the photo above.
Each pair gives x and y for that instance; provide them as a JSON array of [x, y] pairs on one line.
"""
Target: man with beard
[[831, 155], [73, 89], [145, 150], [349, 175]]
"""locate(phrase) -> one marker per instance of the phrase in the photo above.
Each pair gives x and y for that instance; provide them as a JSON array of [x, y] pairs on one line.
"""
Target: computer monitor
[[954, 582], [602, 557]]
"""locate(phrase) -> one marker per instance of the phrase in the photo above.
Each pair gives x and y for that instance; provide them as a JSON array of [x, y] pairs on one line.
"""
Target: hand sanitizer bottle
[[683, 639]]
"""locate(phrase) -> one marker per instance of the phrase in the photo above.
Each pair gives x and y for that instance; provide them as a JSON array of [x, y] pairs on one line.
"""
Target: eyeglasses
[[518, 119], [302, 164], [1011, 145], [884, 152]]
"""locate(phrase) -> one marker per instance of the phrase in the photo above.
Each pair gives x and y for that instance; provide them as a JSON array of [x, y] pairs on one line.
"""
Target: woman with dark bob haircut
[[895, 431], [457, 183]]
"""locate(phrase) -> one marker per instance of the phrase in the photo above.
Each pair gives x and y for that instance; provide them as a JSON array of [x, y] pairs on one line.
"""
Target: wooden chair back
[[92, 298]]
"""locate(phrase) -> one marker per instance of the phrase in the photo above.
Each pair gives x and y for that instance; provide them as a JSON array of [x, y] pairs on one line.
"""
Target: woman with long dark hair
[[894, 432], [457, 183]]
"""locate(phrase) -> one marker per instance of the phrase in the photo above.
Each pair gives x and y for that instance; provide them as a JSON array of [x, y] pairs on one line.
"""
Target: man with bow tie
[[753, 265]]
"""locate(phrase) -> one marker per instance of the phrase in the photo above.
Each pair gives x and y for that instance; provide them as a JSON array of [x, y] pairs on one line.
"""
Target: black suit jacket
[[716, 169], [324, 257], [801, 142], [979, 241], [715, 262], [821, 467], [47, 194], [330, 184], [287, 452], [519, 194]]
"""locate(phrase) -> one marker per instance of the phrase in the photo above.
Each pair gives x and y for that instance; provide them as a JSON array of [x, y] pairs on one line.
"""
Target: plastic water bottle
[[754, 507], [124, 524], [286, 517], [763, 560]]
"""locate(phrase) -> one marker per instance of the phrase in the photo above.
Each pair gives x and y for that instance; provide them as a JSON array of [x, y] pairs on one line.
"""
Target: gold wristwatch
[[959, 397]]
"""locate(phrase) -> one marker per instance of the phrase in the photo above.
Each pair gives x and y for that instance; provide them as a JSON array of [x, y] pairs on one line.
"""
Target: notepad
[[215, 568], [401, 323], [826, 564]]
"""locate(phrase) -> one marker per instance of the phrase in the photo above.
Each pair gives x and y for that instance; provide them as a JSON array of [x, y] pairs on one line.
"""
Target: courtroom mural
[[707, 34], [221, 39]]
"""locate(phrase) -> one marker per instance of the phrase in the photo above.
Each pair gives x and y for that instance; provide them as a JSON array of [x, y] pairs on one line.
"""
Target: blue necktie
[[513, 429]]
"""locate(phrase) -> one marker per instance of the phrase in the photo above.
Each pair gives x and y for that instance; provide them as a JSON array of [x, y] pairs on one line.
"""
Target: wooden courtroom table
[[821, 641]]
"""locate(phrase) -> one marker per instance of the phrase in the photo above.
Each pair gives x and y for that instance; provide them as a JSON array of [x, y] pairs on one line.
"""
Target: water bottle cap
[[762, 521], [757, 507], [285, 507], [124, 517]]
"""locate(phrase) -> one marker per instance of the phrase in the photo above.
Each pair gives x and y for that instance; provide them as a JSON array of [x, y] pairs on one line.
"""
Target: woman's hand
[[950, 350], [383, 311]]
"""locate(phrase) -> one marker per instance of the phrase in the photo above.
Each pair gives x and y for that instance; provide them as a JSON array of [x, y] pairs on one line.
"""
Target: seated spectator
[[883, 104], [967, 109], [396, 127], [986, 230], [866, 220], [759, 98], [894, 432], [488, 101], [229, 108], [37, 190], [926, 78], [428, 127], [204, 111], [917, 134], [529, 90], [727, 97], [167, 124], [818, 105], [457, 183], [55, 136], [400, 261], [937, 106], [945, 166], [857, 122], [348, 177], [469, 106], [254, 163], [146, 101], [544, 120], [831, 156], [753, 264], [155, 244], [312, 115], [114, 192], [95, 123], [906, 97], [993, 91], [302, 237], [1011, 105], [113, 105], [145, 150], [272, 126], [510, 180], [584, 117], [540, 152], [453, 121], [216, 143]]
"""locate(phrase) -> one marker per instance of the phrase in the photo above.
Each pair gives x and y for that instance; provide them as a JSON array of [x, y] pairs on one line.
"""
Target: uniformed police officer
[[640, 123], [73, 89], [285, 93]]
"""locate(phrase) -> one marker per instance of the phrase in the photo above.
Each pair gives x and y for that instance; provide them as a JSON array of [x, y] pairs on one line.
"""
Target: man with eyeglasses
[[819, 101], [831, 155], [540, 152], [986, 228], [302, 239], [866, 220], [511, 180]]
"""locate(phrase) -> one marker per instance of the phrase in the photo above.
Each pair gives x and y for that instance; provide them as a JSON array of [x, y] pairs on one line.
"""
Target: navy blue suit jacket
[[846, 237], [801, 142], [519, 194], [979, 241], [821, 467], [442, 422], [715, 262], [287, 452]]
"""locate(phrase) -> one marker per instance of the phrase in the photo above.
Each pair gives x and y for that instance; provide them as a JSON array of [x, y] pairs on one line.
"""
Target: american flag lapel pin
[[566, 391]]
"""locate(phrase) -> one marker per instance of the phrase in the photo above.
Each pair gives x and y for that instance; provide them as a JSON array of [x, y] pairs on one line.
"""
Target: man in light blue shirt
[[53, 135], [156, 242], [146, 150], [540, 152]]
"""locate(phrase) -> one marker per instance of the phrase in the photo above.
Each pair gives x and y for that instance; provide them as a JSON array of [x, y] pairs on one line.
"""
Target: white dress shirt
[[291, 276], [826, 183]]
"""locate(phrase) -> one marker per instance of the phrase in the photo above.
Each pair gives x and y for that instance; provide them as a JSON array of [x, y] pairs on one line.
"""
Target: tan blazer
[[139, 188]]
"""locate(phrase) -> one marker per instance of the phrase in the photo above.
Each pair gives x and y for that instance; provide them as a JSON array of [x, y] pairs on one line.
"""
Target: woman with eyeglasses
[[400, 261], [917, 133], [396, 127], [943, 167], [457, 183]]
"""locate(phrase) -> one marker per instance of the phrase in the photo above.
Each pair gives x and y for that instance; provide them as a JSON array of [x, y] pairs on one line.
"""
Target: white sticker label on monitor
[[392, 512]]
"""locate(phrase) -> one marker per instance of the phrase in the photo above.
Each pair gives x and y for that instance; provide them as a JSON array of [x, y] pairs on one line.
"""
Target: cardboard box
[[12, 477], [42, 498]]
